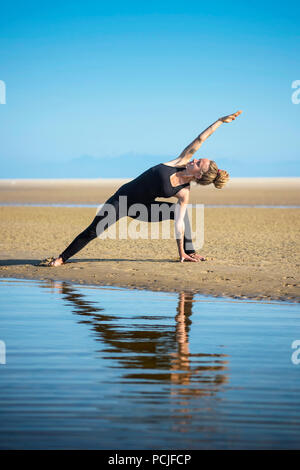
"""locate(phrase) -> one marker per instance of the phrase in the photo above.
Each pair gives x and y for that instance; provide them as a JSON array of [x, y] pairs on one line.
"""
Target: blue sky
[[98, 89]]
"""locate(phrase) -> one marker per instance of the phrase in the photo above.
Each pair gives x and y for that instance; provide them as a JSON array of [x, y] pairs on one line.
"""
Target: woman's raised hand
[[230, 117]]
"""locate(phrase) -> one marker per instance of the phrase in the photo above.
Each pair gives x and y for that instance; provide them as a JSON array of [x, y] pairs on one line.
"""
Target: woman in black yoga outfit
[[164, 180]]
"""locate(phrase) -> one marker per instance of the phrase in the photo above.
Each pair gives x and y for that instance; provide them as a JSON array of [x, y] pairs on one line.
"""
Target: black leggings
[[96, 228]]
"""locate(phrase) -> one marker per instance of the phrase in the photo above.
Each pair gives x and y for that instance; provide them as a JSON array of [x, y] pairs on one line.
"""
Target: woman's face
[[197, 167]]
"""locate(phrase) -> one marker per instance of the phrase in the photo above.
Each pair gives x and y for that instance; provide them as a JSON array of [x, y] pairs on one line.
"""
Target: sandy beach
[[251, 252]]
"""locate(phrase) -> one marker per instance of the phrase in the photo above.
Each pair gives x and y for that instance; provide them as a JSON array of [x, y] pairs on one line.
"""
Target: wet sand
[[251, 252]]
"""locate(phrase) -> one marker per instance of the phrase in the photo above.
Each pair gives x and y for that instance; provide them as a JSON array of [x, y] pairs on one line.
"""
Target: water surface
[[109, 368]]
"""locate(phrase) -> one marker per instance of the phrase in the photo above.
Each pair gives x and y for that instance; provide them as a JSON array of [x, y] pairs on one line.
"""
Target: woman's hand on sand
[[198, 257], [186, 257], [230, 117]]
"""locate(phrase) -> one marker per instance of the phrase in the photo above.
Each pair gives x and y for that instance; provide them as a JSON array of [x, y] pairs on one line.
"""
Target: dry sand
[[251, 252]]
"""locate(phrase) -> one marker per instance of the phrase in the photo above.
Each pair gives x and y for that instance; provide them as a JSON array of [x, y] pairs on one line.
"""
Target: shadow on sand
[[35, 262]]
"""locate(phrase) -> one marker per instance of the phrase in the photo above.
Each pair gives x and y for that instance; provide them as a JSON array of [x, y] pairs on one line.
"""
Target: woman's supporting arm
[[180, 210]]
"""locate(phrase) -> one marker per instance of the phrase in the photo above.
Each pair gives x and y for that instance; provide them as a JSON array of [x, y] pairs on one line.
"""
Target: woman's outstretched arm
[[192, 148]]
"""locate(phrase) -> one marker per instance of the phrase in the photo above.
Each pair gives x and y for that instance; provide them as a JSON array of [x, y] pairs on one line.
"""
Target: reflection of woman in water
[[165, 180], [181, 357], [155, 354]]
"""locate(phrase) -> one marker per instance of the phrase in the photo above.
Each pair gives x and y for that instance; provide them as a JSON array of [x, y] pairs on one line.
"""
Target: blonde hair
[[218, 177]]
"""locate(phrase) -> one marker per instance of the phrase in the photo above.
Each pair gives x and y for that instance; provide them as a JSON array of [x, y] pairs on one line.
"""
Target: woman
[[164, 180]]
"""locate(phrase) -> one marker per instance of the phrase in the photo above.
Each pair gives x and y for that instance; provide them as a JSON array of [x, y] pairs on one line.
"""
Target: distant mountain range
[[130, 165]]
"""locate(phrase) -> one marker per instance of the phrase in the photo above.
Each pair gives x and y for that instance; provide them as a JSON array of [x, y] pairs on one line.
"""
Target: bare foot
[[57, 262]]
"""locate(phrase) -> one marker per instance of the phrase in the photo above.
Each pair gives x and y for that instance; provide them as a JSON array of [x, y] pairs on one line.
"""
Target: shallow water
[[110, 368]]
